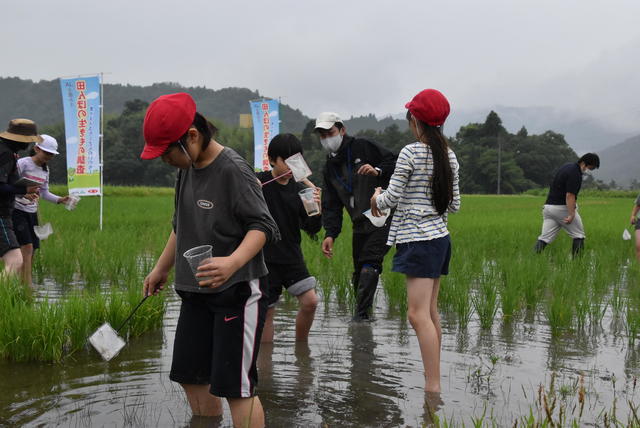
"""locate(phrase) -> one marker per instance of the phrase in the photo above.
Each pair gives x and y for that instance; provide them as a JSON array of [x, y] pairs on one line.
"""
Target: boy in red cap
[[424, 188], [218, 202]]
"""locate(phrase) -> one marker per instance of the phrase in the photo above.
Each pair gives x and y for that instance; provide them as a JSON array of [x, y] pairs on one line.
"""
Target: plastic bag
[[626, 235], [43, 232], [298, 167], [377, 221]]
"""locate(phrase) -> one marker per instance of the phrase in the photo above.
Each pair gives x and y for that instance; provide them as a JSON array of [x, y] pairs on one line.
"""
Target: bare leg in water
[[422, 296]]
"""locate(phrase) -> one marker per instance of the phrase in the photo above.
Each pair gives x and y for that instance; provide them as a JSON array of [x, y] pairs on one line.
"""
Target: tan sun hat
[[22, 131]]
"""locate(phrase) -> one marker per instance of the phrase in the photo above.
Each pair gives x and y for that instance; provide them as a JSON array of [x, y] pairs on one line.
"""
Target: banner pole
[[101, 145]]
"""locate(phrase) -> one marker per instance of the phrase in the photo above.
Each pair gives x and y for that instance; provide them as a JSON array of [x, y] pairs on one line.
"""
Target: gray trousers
[[553, 220]]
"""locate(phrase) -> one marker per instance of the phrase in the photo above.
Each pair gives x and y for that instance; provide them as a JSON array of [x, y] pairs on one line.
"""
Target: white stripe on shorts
[[249, 340]]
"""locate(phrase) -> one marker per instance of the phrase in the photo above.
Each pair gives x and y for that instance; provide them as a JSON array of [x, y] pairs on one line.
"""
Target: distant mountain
[[582, 133], [620, 162], [42, 102]]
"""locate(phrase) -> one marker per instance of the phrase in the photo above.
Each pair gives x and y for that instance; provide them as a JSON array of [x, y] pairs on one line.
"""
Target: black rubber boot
[[578, 245], [367, 285], [540, 246]]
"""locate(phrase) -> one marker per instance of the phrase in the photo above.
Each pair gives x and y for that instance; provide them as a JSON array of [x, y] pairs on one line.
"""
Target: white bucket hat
[[48, 144]]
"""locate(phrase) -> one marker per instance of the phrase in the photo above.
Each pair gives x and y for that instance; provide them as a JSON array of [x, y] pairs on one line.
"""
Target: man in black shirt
[[354, 168], [17, 137], [560, 209]]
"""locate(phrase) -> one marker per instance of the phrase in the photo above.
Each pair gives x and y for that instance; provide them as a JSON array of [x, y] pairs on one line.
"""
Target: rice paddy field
[[528, 339]]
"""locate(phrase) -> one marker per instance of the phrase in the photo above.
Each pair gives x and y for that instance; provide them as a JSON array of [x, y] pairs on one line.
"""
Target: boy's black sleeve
[[250, 206], [310, 224], [387, 163], [331, 208], [573, 182]]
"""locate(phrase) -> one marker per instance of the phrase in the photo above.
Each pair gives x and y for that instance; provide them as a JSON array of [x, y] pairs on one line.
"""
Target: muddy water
[[360, 375]]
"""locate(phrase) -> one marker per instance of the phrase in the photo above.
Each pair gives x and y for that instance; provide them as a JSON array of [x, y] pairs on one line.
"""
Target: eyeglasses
[[172, 146]]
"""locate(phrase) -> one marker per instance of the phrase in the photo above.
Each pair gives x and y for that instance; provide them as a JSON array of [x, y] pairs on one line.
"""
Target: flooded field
[[349, 374], [527, 338]]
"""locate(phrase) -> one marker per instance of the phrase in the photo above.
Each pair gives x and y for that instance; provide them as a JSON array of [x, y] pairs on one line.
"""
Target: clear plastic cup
[[72, 202], [310, 205], [195, 256]]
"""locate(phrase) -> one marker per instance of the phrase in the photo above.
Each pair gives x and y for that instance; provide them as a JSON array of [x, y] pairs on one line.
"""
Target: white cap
[[48, 144], [327, 119]]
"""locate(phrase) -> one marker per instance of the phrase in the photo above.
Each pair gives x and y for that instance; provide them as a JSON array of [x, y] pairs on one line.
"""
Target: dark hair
[[32, 152], [284, 145], [205, 128], [590, 159], [442, 180], [339, 125]]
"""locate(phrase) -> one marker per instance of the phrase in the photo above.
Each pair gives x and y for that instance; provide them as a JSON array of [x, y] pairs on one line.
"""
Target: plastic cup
[[72, 202], [310, 205], [195, 256]]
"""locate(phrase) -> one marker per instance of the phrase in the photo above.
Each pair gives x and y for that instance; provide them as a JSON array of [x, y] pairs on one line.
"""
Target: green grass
[[495, 275], [98, 275]]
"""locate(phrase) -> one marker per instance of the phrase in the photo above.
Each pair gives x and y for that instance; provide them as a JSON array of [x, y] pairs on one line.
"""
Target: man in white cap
[[354, 168], [18, 136]]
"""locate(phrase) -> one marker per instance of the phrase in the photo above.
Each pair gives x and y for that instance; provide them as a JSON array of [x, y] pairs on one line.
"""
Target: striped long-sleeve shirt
[[416, 218]]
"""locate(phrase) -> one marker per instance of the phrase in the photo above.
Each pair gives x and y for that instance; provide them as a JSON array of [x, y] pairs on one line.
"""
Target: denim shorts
[[423, 259]]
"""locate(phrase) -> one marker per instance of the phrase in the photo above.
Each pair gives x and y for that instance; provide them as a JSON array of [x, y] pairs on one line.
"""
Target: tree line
[[487, 152]]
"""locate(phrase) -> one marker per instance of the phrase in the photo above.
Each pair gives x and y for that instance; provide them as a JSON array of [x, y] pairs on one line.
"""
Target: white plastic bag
[[43, 232], [298, 167], [377, 221], [626, 235]]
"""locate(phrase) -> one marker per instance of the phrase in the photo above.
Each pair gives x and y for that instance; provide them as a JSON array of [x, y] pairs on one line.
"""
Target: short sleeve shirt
[[568, 179]]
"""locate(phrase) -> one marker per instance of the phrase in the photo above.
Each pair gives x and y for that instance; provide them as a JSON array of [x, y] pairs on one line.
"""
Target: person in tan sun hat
[[19, 135]]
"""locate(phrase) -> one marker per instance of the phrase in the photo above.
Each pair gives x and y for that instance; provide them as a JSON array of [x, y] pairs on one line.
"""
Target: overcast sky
[[353, 57]]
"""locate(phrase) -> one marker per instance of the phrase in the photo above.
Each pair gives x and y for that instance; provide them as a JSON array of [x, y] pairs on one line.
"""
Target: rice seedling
[[485, 299]]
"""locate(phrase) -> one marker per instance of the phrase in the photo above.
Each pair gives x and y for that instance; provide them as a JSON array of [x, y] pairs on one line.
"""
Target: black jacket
[[343, 187]]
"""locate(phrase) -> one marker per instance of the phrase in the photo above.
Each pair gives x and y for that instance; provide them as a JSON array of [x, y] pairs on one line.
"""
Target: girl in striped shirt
[[424, 188]]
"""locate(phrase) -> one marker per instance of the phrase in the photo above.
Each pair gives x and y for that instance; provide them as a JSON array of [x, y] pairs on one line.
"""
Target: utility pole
[[499, 161]]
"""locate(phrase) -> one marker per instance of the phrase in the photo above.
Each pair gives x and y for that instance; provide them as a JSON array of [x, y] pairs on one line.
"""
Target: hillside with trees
[[526, 161]]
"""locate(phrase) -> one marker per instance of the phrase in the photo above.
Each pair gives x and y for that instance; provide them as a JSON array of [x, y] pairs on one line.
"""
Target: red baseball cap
[[167, 119], [429, 106]]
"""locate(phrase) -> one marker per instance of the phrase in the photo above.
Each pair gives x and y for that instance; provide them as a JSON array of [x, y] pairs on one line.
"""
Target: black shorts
[[423, 259], [23, 223], [8, 239], [218, 338], [295, 278]]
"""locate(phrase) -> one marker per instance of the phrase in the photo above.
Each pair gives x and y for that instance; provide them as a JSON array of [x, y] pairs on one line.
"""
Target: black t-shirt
[[568, 179], [8, 175], [289, 214]]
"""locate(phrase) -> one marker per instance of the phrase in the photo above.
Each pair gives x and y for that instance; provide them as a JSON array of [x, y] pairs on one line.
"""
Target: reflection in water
[[432, 404], [204, 422], [373, 392], [360, 375]]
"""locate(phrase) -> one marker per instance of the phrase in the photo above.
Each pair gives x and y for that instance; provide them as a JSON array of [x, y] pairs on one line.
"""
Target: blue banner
[[81, 102], [266, 125]]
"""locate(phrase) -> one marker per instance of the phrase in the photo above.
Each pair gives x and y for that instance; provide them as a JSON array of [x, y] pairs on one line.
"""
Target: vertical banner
[[266, 125], [81, 102]]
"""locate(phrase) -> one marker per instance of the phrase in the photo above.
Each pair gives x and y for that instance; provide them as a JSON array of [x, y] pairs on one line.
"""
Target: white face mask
[[331, 144]]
